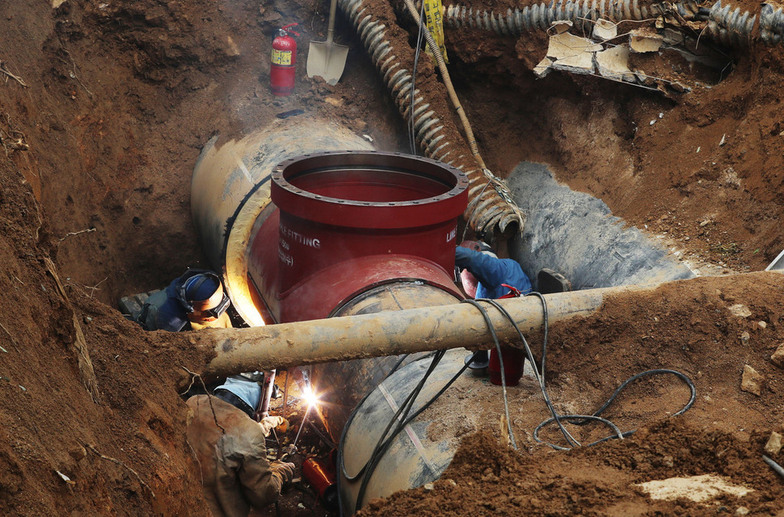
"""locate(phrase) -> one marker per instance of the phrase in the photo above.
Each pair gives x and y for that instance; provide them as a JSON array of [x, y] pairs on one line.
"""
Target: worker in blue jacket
[[484, 275]]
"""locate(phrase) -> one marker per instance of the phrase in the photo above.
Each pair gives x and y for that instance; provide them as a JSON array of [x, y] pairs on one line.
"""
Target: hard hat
[[248, 391], [480, 246], [203, 296]]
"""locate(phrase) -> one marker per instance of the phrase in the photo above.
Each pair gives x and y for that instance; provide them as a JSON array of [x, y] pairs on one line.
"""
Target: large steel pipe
[[387, 333], [230, 193]]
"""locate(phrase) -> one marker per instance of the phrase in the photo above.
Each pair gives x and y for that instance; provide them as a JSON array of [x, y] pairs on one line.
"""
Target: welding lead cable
[[383, 443], [341, 463], [583, 419], [407, 421], [342, 440], [403, 409], [491, 327], [539, 376]]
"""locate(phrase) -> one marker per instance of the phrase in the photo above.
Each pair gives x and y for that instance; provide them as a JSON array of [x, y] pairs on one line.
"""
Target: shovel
[[325, 58]]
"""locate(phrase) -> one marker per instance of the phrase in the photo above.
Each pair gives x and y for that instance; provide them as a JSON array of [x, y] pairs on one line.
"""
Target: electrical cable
[[340, 460], [382, 447], [583, 419], [403, 418], [383, 444], [540, 376], [412, 118], [491, 327], [404, 407]]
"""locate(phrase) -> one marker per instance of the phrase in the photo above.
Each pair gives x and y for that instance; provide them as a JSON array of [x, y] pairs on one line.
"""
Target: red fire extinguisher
[[284, 61]]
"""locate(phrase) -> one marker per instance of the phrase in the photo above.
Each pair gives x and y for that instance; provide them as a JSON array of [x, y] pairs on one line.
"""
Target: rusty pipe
[[387, 333]]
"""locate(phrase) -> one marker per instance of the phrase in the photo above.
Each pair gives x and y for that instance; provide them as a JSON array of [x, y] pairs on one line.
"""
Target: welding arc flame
[[310, 397]]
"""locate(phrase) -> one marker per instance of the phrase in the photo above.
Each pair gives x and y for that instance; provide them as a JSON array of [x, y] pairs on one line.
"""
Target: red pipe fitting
[[349, 221]]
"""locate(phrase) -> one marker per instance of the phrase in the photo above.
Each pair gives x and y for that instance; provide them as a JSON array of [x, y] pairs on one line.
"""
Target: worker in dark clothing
[[231, 451], [192, 301], [484, 275]]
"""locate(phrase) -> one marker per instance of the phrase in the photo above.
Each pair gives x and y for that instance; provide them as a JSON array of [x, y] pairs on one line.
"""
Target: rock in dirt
[[751, 381], [773, 446], [696, 488], [778, 356], [740, 310]]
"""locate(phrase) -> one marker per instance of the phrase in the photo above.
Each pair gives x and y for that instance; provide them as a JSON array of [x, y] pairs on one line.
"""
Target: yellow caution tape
[[435, 24]]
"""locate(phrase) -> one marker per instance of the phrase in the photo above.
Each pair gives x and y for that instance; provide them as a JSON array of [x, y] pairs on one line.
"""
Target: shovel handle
[[333, 7]]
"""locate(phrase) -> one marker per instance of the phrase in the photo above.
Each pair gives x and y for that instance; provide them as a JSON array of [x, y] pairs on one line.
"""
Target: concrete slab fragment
[[543, 68], [642, 42], [604, 30], [613, 63], [561, 26], [572, 53]]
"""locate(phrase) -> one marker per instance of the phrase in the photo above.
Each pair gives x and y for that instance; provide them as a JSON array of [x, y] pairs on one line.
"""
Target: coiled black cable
[[582, 419]]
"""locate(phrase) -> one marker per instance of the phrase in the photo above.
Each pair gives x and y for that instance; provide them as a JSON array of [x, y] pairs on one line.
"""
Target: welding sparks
[[310, 397]]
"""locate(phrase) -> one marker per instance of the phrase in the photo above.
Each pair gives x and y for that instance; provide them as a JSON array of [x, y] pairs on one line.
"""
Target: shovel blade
[[326, 60]]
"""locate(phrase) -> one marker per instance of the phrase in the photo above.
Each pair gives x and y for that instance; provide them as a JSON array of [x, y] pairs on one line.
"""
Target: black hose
[[580, 419], [383, 443], [491, 327]]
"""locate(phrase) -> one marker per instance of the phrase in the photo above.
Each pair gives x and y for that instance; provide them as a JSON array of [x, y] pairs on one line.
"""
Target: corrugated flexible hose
[[726, 24], [491, 209]]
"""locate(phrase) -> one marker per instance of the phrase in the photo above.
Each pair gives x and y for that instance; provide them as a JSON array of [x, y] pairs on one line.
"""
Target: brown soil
[[103, 111]]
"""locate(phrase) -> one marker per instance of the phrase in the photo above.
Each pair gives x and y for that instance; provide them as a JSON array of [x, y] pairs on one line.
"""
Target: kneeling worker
[[193, 301], [230, 447]]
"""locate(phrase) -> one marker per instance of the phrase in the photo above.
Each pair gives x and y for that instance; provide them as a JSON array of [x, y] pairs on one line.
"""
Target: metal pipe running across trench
[[387, 333]]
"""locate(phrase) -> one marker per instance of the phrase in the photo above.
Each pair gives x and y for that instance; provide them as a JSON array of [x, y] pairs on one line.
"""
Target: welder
[[484, 275], [192, 301], [230, 447]]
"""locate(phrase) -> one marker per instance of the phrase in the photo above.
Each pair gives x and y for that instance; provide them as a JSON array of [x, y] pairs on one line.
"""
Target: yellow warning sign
[[435, 24]]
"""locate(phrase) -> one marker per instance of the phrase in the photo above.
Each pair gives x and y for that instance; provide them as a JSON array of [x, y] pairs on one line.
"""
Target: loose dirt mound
[[103, 110], [484, 479]]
